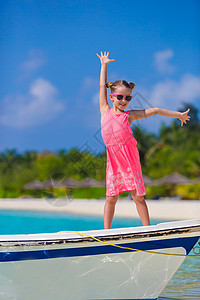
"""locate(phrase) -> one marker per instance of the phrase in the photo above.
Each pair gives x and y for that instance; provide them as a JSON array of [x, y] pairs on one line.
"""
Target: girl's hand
[[184, 117], [104, 58]]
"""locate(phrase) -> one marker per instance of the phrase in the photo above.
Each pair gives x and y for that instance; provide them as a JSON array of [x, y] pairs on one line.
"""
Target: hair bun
[[109, 84], [132, 85]]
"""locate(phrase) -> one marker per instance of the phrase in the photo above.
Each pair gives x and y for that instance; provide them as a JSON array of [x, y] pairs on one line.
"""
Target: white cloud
[[40, 105], [88, 86], [95, 99], [35, 61], [161, 61], [171, 94]]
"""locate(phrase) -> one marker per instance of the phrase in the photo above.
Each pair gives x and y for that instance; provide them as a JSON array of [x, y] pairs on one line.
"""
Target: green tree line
[[174, 149]]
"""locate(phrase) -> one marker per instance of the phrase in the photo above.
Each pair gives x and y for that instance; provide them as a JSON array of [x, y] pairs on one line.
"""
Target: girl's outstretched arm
[[182, 116], [103, 80], [145, 113]]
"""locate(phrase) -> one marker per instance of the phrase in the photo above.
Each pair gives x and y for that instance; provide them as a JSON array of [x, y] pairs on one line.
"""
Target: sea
[[185, 284]]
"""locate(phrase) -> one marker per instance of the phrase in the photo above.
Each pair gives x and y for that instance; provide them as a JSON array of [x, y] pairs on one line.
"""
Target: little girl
[[123, 172]]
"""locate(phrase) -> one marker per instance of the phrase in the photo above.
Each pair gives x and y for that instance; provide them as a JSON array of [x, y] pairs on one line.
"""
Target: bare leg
[[142, 208], [109, 210]]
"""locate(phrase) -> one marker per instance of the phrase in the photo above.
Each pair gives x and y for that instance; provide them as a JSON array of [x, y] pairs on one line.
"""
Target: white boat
[[69, 265]]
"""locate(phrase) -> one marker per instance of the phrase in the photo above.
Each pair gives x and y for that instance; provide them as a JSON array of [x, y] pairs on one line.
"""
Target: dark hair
[[114, 85]]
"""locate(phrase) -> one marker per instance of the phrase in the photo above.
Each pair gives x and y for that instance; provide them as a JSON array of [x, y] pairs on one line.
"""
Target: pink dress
[[123, 172]]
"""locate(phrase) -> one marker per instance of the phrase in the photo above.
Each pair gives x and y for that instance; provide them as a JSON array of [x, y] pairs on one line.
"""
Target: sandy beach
[[166, 209]]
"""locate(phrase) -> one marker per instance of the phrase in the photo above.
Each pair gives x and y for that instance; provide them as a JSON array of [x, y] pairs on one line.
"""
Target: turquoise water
[[22, 222], [184, 285]]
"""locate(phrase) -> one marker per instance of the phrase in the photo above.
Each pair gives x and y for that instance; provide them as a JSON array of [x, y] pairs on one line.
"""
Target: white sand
[[158, 209]]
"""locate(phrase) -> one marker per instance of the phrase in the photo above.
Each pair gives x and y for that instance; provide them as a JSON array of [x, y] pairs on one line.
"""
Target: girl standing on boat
[[123, 172]]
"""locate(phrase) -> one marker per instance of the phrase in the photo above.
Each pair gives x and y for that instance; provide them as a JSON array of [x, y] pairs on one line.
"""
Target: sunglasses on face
[[120, 97]]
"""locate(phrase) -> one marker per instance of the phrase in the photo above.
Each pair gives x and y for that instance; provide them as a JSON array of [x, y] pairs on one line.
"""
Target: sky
[[49, 79]]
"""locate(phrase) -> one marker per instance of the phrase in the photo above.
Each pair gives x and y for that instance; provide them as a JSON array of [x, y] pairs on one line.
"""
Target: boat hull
[[70, 266]]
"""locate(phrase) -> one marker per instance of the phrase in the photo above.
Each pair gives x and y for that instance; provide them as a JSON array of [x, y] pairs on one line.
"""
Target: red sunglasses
[[120, 97]]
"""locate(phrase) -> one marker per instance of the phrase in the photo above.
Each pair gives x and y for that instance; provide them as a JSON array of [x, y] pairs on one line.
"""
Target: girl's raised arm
[[145, 113], [103, 80]]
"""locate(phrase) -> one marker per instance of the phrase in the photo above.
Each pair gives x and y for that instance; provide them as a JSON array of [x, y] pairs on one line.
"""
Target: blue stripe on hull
[[185, 242]]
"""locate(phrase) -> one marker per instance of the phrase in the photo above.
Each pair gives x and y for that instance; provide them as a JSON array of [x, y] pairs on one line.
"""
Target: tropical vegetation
[[174, 149]]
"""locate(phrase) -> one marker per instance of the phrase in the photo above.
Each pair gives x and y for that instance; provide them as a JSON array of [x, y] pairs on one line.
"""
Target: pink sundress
[[123, 171]]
